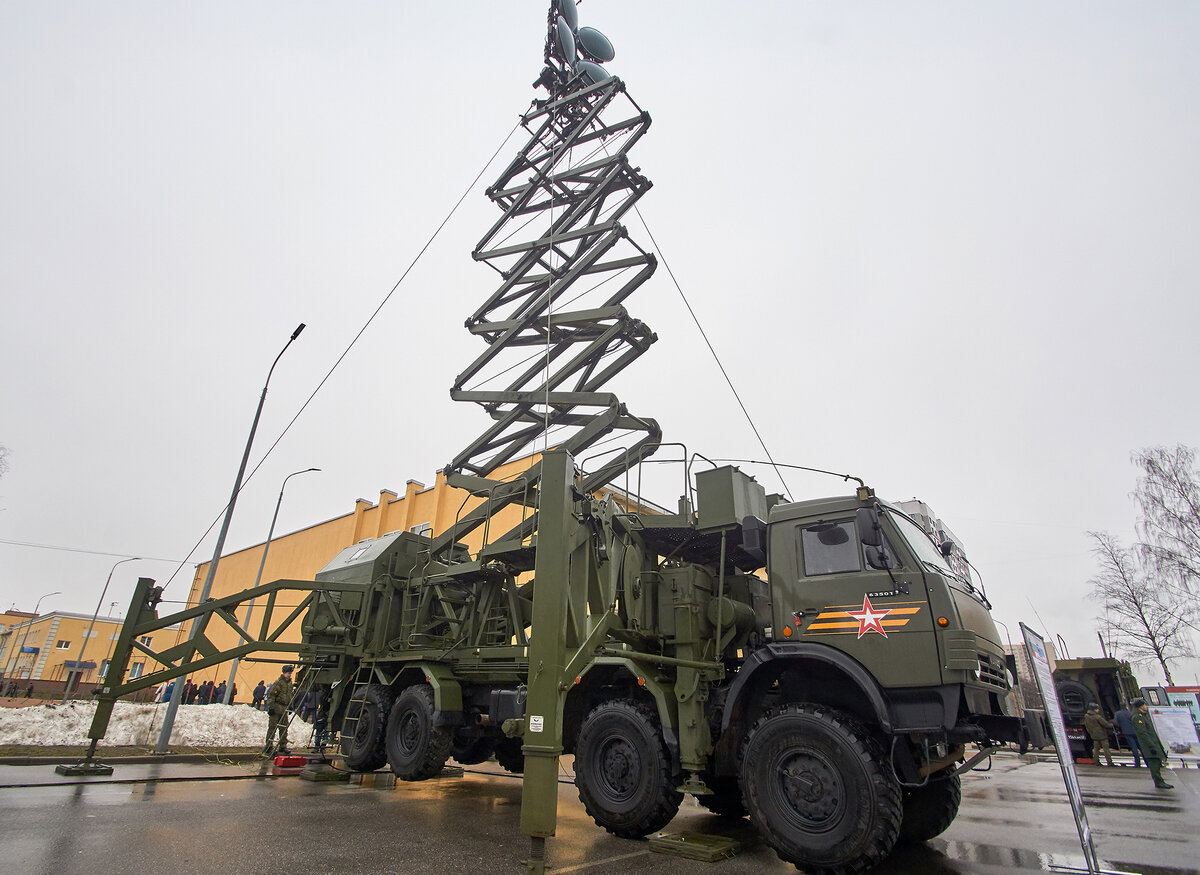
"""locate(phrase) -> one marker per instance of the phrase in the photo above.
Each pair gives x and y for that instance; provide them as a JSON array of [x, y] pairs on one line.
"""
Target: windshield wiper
[[943, 570]]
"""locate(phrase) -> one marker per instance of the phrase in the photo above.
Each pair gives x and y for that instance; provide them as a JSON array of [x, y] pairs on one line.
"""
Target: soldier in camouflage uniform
[[1097, 726], [279, 700]]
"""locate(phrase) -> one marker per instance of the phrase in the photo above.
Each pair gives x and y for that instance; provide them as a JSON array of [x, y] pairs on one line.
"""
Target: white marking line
[[589, 865]]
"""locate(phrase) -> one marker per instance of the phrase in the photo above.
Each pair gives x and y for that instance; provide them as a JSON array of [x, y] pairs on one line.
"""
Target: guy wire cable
[[716, 357]]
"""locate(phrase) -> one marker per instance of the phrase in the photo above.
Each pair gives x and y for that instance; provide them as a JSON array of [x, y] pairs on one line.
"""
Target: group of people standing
[[206, 693], [1135, 726], [11, 690]]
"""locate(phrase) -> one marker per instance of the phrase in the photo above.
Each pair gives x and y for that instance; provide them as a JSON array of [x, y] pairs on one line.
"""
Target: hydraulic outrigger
[[198, 653]]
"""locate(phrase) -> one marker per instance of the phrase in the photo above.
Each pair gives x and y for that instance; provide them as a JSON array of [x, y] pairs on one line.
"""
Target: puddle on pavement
[[943, 857], [947, 854]]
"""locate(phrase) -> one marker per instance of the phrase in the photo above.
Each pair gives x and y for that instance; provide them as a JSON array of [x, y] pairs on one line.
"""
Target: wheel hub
[[811, 788], [363, 730], [410, 733], [619, 766]]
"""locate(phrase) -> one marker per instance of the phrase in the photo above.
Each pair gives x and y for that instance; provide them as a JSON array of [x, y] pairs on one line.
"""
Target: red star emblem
[[869, 618]]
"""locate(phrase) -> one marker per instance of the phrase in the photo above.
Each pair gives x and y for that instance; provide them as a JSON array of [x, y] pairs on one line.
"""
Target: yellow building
[[47, 649], [301, 554]]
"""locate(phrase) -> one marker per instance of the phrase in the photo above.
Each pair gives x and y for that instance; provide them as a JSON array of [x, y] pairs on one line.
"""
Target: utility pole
[[258, 579], [164, 735]]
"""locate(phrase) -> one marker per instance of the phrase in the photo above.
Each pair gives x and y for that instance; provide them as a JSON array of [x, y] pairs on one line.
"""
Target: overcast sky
[[950, 248]]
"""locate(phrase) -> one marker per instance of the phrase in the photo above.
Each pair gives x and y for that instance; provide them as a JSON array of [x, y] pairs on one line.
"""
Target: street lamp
[[88, 634], [258, 579], [28, 626], [176, 694]]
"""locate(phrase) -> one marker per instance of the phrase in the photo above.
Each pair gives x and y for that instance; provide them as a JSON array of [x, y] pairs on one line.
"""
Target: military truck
[[830, 697], [818, 665], [1079, 682]]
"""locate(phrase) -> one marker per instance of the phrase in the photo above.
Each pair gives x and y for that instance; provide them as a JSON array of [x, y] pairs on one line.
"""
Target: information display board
[[1045, 682], [1176, 731]]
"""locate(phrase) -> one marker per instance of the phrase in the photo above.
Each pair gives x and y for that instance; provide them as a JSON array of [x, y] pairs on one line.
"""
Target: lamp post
[[177, 693], [258, 579], [25, 637], [88, 634]]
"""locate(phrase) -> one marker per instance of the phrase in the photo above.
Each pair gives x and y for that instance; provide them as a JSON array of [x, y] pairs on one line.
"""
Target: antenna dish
[[591, 73], [595, 45], [567, 10], [566, 41]]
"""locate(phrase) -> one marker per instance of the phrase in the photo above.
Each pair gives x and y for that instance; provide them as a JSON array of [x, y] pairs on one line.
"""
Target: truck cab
[[859, 577]]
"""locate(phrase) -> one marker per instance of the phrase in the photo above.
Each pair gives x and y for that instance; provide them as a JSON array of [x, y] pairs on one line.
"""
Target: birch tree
[[1149, 624], [1168, 497]]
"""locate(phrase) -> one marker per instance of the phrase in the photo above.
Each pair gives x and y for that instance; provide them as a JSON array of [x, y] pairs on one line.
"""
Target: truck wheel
[[819, 789], [416, 749], [510, 756], [470, 751], [623, 769], [929, 810], [363, 751], [725, 799]]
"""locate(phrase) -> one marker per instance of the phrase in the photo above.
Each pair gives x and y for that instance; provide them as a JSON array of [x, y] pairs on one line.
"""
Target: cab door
[[878, 616]]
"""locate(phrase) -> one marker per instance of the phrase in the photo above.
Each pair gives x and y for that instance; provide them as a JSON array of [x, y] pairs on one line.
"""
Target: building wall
[[58, 637]]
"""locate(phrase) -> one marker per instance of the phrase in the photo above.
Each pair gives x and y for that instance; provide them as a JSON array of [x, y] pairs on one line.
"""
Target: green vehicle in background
[[1079, 682]]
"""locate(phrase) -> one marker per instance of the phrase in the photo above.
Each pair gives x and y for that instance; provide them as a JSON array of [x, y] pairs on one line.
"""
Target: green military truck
[[1079, 682], [818, 665], [830, 698]]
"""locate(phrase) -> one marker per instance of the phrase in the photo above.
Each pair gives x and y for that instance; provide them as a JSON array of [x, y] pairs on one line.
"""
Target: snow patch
[[134, 724]]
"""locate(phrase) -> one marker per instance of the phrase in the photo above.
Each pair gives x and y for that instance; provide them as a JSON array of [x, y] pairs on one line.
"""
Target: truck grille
[[991, 671]]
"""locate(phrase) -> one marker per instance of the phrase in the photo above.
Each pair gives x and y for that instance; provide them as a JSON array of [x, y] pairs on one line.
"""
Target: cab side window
[[830, 548]]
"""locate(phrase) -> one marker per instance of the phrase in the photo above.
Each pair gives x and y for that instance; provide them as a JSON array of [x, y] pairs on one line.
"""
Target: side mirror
[[870, 532], [946, 548], [754, 539]]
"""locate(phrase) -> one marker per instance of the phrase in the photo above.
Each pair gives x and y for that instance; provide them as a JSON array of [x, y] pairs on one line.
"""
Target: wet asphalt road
[[229, 819]]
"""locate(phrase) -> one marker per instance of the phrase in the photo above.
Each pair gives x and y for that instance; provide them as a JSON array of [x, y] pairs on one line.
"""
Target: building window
[[135, 670], [144, 640], [421, 528], [62, 645], [103, 668]]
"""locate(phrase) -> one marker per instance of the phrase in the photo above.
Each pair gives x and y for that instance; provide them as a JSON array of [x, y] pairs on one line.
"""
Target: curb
[[145, 758]]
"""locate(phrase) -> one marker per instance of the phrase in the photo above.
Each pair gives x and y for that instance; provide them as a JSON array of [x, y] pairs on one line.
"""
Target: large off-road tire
[[929, 810], [469, 751], [623, 769], [416, 749], [725, 799], [510, 756], [363, 749], [820, 789]]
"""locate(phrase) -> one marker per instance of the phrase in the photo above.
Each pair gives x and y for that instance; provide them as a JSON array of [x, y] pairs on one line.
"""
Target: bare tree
[[3, 460], [1168, 497], [1151, 625]]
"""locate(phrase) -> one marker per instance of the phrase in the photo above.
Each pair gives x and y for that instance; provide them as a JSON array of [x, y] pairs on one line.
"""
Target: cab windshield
[[927, 552]]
